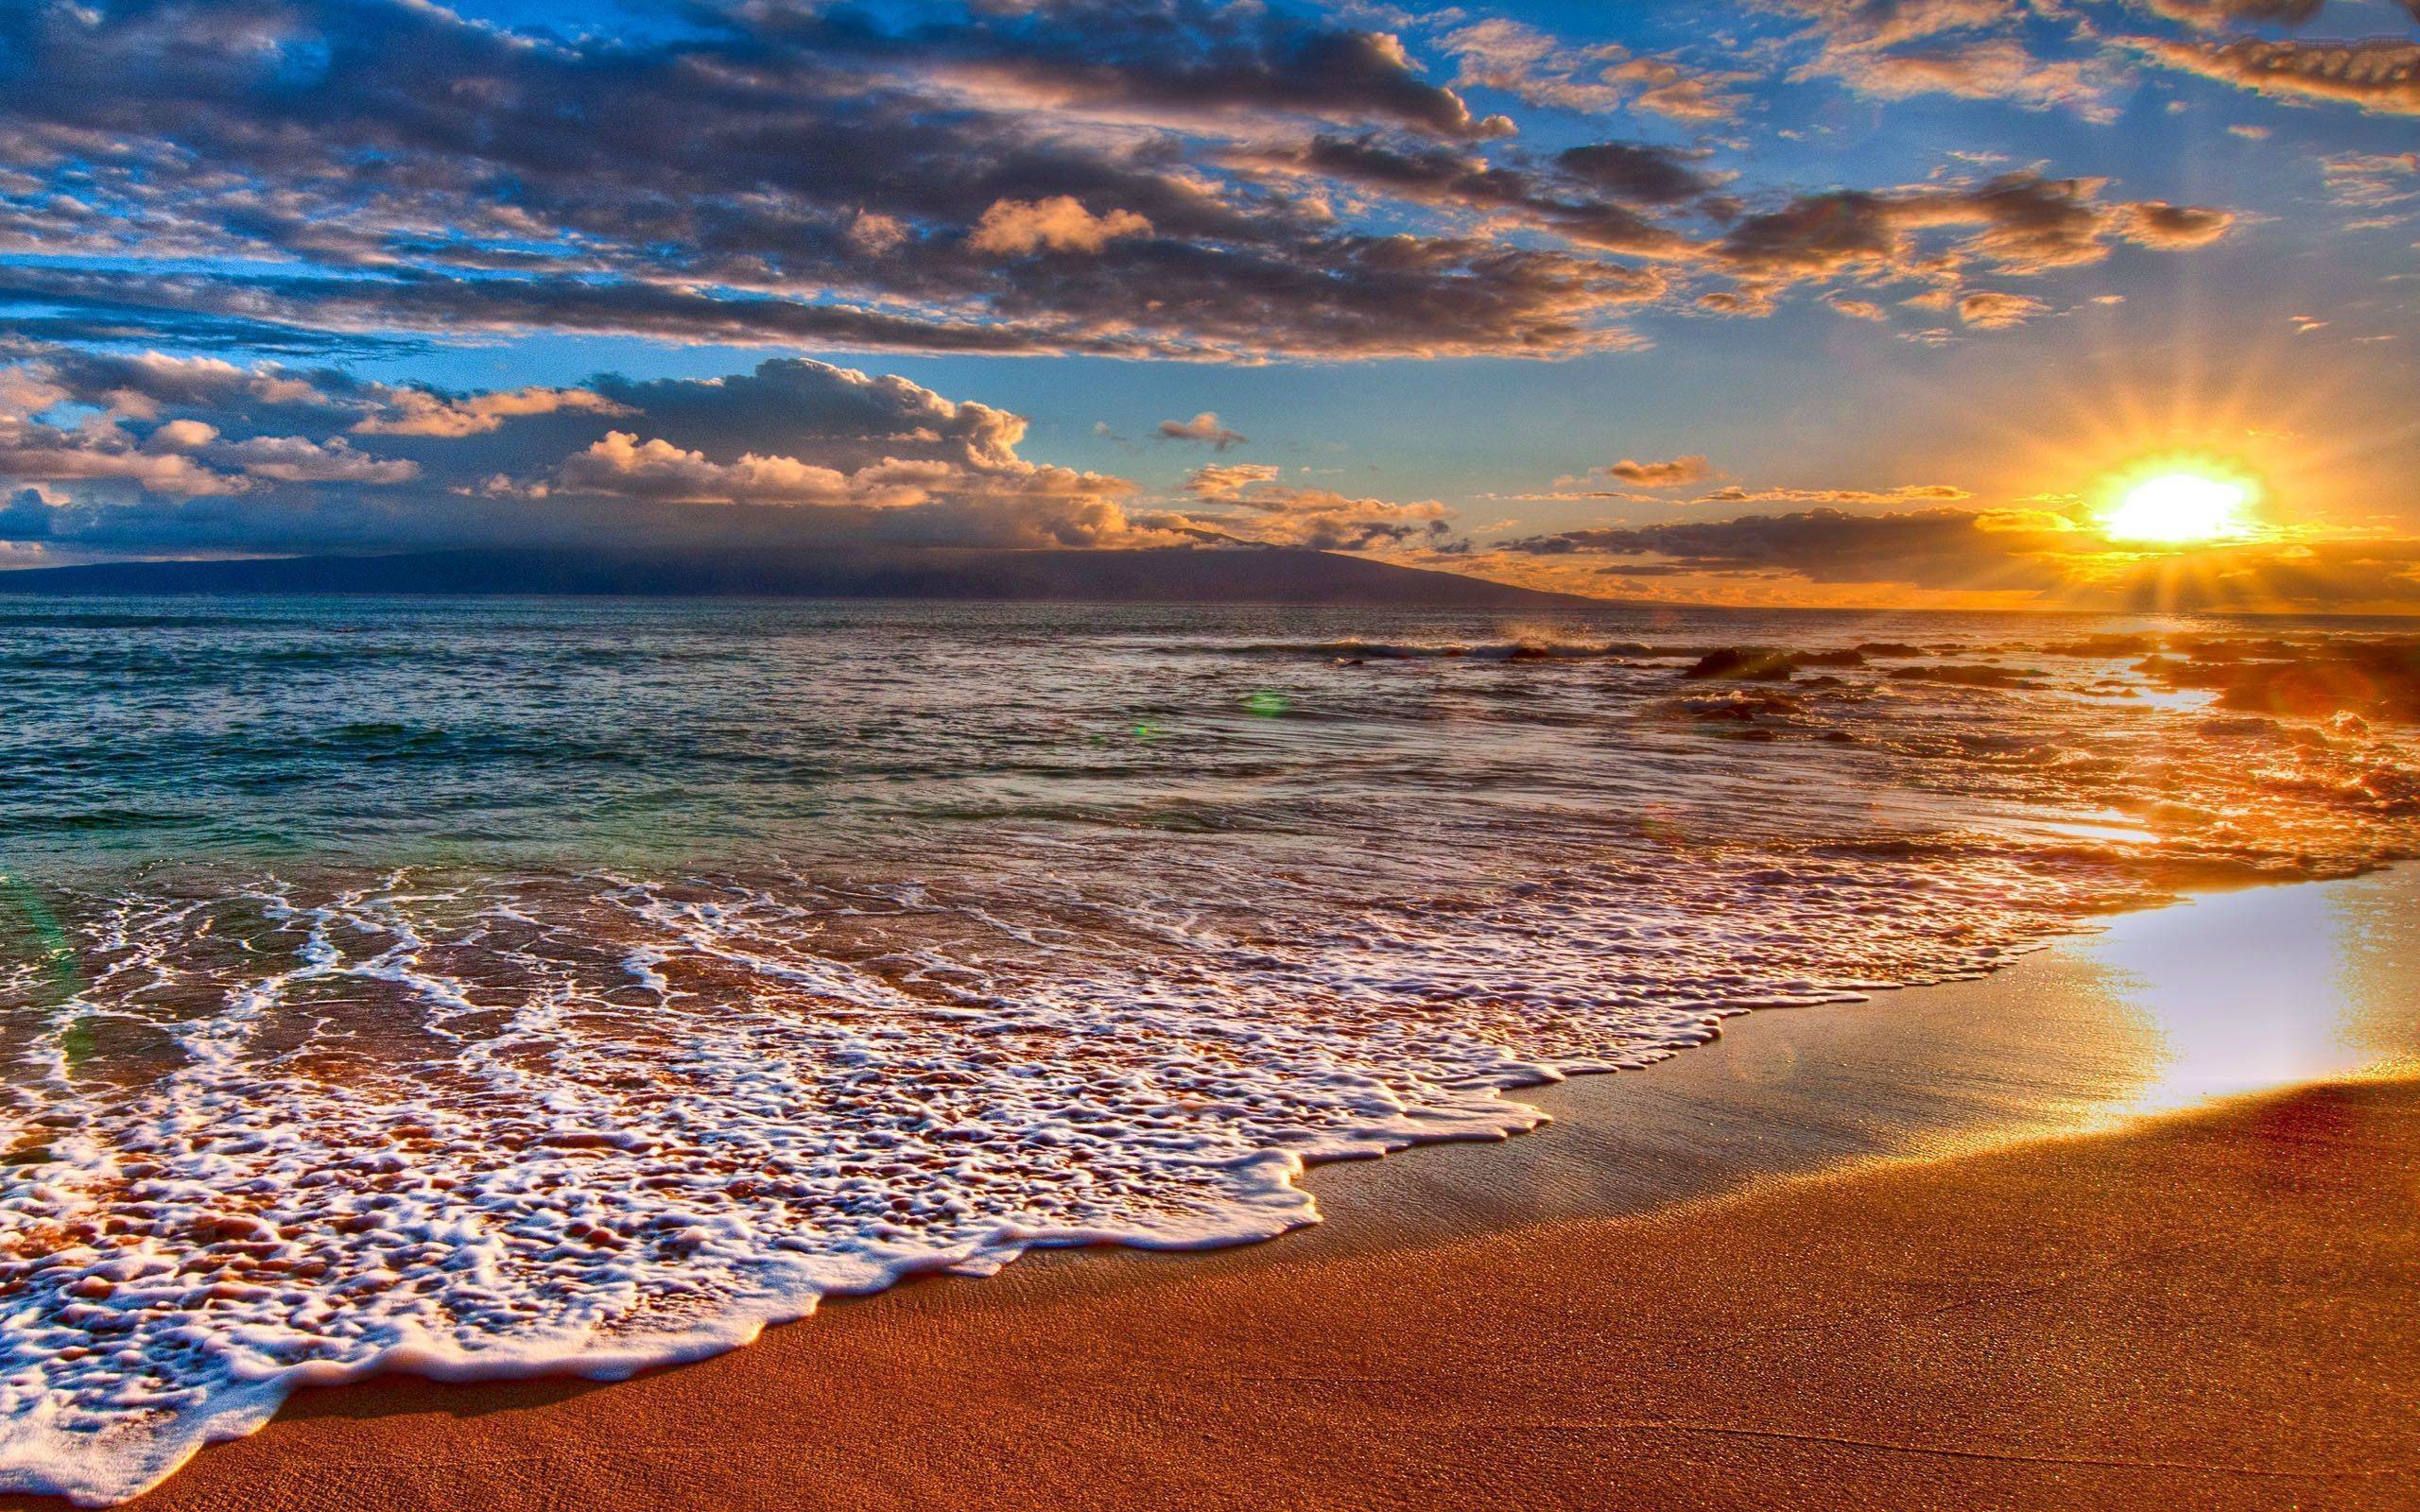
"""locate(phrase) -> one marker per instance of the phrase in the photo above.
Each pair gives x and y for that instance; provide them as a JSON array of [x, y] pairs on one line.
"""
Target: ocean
[[484, 987]]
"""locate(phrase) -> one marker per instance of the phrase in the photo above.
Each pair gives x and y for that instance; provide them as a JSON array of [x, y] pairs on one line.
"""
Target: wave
[[478, 1126]]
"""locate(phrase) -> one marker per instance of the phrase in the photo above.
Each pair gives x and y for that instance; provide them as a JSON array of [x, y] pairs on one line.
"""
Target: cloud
[[1965, 549], [2172, 228], [1174, 62], [2212, 14], [2020, 223], [300, 459], [1204, 429], [1872, 24], [1516, 58], [1972, 49], [2380, 75], [846, 417], [1986, 310], [1637, 172], [419, 412], [180, 428], [146, 385], [1342, 298], [1678, 472], [1998, 68], [1012, 228], [1905, 493], [1223, 481], [1590, 196], [1250, 505], [1611, 197], [1669, 88], [1996, 49], [622, 466], [26, 517], [2372, 179], [103, 454], [246, 417]]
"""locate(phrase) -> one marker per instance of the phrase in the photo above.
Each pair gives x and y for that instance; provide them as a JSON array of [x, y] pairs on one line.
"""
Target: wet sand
[[1958, 1247]]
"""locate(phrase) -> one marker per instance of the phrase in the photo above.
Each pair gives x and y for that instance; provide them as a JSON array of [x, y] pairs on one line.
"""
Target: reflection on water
[[2240, 992]]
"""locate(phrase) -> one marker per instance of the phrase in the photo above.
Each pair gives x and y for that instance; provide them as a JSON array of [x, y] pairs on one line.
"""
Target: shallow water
[[478, 987]]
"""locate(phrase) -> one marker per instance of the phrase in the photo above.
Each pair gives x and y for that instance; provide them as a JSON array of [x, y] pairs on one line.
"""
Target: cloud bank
[[1944, 553], [157, 453], [1147, 178]]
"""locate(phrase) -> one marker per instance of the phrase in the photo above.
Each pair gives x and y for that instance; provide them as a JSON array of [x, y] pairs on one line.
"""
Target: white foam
[[606, 1123]]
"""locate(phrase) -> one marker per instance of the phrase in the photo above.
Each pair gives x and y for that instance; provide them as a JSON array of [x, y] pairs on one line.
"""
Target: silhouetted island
[[1179, 574]]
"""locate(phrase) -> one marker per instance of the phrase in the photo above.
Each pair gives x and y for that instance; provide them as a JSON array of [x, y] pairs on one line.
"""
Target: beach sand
[[1988, 1245]]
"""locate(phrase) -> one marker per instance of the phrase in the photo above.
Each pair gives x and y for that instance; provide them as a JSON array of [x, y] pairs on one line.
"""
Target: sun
[[2179, 503], [2176, 507]]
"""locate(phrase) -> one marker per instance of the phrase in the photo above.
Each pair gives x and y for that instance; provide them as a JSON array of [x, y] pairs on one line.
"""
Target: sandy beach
[[1987, 1244]]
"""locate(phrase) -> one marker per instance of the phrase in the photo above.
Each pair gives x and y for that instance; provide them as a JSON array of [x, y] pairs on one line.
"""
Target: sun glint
[[2177, 507]]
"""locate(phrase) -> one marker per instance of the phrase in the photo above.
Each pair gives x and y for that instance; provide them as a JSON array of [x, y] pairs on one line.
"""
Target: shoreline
[[1841, 1095], [2066, 1039]]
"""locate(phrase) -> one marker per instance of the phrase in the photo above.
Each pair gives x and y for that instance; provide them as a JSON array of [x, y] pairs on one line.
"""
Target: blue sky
[[1871, 294]]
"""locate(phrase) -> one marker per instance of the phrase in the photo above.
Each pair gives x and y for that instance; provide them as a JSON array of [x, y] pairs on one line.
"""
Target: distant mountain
[[1175, 575]]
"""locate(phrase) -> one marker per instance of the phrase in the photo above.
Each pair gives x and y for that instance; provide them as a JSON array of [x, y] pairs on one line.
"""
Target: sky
[[1875, 303]]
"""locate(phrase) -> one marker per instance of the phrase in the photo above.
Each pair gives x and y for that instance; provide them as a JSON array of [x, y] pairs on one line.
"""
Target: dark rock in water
[[1757, 663], [2378, 678], [2381, 683], [1750, 665], [1891, 648]]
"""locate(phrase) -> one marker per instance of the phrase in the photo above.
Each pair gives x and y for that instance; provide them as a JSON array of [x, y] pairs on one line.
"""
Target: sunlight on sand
[[2311, 985]]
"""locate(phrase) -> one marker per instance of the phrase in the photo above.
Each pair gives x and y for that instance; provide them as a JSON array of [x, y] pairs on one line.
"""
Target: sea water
[[480, 988]]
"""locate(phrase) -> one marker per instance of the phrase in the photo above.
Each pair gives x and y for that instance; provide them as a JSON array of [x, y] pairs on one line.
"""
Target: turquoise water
[[483, 986], [410, 732]]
